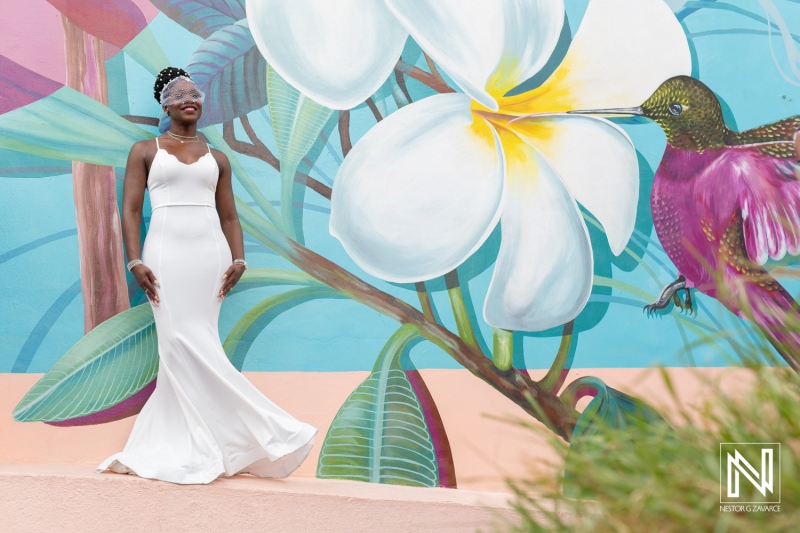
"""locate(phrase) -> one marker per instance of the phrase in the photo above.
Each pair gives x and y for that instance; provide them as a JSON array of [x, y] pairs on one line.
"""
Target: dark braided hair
[[164, 77]]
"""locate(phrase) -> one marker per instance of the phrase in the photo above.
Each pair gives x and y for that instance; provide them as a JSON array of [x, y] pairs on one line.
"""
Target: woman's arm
[[132, 200], [229, 220]]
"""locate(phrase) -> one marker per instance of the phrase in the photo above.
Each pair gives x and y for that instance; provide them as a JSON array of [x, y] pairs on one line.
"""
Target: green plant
[[652, 476]]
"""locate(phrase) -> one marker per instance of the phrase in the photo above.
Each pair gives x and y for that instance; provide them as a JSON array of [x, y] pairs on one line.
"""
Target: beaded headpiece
[[168, 90]]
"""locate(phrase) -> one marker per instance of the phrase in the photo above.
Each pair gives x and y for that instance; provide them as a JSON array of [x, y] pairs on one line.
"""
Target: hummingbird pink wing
[[750, 197], [759, 180]]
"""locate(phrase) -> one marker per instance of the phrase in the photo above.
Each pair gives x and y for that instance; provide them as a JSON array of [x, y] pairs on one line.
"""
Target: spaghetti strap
[[157, 146], [209, 148]]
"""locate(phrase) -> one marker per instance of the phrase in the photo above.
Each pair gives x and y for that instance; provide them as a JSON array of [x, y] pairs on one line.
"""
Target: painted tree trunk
[[94, 187]]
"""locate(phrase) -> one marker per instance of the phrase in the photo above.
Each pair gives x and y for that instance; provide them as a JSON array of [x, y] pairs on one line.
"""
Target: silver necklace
[[178, 137]]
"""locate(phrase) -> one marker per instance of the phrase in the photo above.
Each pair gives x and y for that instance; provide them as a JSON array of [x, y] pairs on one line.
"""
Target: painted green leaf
[[612, 409], [241, 175], [296, 123], [108, 365], [602, 425], [244, 332], [146, 50], [262, 277], [70, 125], [307, 163], [379, 434], [16, 164], [105, 375]]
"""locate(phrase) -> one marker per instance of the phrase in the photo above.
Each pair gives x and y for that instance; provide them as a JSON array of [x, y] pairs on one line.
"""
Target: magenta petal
[[20, 86]]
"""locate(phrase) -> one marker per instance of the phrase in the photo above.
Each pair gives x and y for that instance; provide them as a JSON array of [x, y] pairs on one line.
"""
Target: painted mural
[[499, 186]]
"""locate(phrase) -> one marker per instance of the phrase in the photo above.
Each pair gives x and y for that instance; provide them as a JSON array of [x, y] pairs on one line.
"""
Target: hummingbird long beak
[[614, 111]]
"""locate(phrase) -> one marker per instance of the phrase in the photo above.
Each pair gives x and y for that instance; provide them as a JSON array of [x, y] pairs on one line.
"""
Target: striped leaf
[[296, 123], [202, 17], [70, 125], [228, 67], [379, 434], [109, 365]]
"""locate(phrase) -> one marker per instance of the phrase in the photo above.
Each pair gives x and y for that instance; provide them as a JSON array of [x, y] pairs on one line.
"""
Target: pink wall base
[[485, 450], [66, 498]]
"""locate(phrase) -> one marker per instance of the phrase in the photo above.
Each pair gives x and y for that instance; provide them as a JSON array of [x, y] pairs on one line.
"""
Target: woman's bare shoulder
[[143, 150], [143, 147], [220, 156]]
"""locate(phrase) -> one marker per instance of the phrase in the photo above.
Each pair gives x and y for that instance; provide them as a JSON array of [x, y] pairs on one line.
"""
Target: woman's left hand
[[230, 278]]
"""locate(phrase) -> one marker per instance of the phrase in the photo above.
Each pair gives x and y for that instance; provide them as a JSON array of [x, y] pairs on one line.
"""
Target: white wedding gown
[[204, 419]]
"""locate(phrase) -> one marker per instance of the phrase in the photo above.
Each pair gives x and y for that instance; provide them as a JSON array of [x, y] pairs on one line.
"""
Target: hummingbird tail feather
[[778, 316]]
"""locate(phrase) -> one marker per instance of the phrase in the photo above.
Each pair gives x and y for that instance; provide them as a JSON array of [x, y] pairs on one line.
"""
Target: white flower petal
[[464, 37], [474, 39], [420, 192], [597, 162], [622, 51], [531, 34], [337, 52], [543, 274]]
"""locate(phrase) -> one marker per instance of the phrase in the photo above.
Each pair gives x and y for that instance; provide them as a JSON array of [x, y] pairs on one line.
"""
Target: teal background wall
[[41, 311]]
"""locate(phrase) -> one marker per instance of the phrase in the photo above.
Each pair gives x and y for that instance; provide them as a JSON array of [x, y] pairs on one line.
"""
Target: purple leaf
[[202, 17], [230, 70]]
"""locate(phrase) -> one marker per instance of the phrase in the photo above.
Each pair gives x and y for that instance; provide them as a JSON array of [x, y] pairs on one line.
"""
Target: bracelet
[[240, 261], [133, 263]]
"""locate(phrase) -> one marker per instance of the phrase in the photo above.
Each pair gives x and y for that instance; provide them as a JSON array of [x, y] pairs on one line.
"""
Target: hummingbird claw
[[669, 295]]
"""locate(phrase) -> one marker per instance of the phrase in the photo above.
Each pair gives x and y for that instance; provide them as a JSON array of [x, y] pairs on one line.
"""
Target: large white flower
[[424, 188]]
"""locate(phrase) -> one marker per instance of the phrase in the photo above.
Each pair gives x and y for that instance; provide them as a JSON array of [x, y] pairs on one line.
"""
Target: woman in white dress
[[204, 419]]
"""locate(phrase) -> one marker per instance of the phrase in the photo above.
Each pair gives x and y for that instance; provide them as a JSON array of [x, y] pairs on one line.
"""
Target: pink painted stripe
[[20, 86], [116, 22]]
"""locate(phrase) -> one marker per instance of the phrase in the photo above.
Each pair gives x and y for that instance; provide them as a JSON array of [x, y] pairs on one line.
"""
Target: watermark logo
[[750, 473]]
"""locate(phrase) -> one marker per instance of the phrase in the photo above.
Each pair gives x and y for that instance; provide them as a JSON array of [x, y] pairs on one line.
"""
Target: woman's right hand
[[147, 281]]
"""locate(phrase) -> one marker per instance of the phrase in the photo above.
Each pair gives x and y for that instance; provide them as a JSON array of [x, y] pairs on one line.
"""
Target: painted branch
[[314, 184], [558, 372], [247, 148], [510, 383], [529, 395], [260, 151], [401, 82], [432, 66], [374, 108], [102, 268], [251, 134], [435, 83], [425, 301], [138, 119], [460, 313], [344, 132]]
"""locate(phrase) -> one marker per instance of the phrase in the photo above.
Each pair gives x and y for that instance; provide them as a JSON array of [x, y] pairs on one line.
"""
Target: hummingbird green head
[[687, 111]]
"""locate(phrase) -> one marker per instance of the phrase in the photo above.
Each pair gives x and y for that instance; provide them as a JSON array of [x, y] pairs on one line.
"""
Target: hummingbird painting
[[723, 203]]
